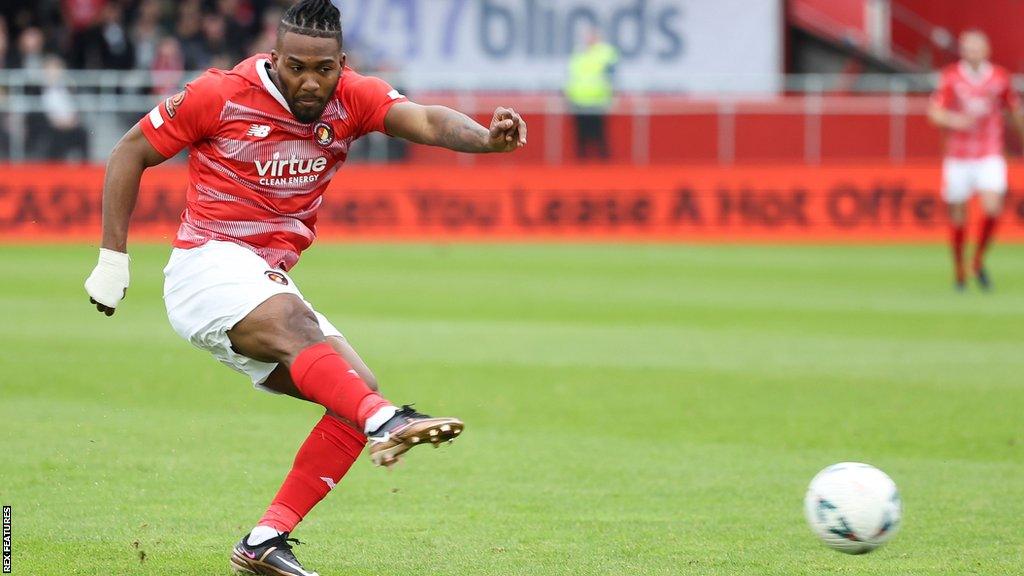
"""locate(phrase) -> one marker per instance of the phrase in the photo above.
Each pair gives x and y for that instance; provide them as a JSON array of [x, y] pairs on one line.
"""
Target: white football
[[853, 507]]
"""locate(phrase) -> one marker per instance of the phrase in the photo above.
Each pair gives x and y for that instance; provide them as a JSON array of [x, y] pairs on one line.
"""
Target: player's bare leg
[[957, 221], [327, 371], [284, 330], [992, 204], [280, 380]]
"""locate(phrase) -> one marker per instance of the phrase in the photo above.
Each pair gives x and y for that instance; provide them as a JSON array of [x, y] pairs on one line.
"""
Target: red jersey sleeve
[[943, 95], [368, 99], [189, 116]]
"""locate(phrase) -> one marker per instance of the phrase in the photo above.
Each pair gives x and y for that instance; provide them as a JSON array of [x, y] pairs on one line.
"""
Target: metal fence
[[105, 103]]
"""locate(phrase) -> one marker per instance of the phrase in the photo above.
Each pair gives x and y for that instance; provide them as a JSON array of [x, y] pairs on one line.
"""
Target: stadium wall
[[776, 203]]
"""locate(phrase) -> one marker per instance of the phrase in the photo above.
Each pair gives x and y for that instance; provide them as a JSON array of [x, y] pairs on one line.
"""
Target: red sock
[[988, 228], [956, 240], [322, 461], [323, 376]]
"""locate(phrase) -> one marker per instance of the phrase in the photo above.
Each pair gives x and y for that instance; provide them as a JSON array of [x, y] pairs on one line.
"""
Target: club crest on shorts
[[172, 103], [277, 277], [324, 133]]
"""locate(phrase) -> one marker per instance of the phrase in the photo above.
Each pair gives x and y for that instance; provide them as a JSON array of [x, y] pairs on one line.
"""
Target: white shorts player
[[963, 177], [209, 289]]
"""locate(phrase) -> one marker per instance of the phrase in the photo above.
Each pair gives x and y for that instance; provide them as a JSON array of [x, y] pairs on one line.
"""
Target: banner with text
[[773, 203], [688, 45]]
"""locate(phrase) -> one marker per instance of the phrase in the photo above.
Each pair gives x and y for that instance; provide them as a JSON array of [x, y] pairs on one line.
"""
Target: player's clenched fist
[[108, 282], [508, 130]]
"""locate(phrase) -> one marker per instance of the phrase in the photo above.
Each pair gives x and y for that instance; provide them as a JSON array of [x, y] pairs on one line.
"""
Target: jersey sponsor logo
[[172, 103], [258, 130], [289, 171], [324, 134], [277, 277]]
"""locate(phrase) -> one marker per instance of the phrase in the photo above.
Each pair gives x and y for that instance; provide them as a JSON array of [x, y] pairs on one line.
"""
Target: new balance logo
[[258, 130]]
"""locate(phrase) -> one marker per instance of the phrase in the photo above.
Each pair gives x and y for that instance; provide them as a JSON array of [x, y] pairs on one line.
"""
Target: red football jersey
[[256, 174], [983, 95]]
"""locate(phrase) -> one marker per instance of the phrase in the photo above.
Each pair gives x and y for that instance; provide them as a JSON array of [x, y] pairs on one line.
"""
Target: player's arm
[[939, 108], [177, 122], [946, 118], [131, 156], [447, 128]]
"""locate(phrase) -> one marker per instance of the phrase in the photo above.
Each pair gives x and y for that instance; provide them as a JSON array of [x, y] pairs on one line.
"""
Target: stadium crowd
[[156, 35], [164, 40]]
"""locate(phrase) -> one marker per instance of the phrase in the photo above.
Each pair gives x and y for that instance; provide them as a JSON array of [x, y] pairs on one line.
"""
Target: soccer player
[[969, 103], [265, 139]]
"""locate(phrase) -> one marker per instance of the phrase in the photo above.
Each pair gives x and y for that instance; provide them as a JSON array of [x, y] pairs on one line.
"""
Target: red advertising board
[[777, 203]]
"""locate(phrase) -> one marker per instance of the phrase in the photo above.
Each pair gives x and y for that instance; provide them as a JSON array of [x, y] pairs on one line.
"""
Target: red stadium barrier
[[793, 203]]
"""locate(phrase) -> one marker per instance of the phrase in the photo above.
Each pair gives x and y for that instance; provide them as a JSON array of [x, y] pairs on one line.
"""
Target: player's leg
[[280, 380], [284, 329], [321, 462], [992, 187], [957, 185]]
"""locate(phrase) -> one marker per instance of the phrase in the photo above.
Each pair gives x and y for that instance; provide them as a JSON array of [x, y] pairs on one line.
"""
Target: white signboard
[[665, 45]]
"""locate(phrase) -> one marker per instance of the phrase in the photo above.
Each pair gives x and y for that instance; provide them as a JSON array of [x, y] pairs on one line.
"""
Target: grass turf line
[[630, 410]]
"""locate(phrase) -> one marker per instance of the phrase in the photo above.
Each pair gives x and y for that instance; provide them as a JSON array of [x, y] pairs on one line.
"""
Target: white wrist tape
[[109, 279]]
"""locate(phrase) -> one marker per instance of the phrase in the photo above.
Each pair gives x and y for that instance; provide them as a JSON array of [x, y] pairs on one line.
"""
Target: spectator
[[146, 33], [215, 43], [5, 137], [190, 35], [64, 133], [30, 57], [168, 69], [107, 44], [239, 19], [590, 93], [81, 14], [30, 49]]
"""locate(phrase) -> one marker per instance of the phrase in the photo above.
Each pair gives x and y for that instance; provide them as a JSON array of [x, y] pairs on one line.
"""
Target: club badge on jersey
[[172, 103], [324, 134]]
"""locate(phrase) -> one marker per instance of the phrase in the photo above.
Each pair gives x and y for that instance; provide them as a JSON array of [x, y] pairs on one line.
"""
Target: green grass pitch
[[630, 410]]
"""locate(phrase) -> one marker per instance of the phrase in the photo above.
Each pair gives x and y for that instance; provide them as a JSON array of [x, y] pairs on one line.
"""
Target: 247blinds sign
[[779, 203], [665, 45]]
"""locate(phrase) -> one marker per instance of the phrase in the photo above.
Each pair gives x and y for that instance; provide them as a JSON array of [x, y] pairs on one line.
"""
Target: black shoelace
[[408, 412], [282, 543]]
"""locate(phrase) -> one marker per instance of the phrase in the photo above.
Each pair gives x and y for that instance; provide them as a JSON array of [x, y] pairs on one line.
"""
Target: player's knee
[[292, 328], [300, 329]]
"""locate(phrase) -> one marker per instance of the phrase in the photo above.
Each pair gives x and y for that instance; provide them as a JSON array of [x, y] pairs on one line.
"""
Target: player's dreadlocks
[[318, 18]]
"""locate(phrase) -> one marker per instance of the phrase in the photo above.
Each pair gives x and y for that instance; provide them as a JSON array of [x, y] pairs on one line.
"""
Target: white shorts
[[962, 178], [209, 289]]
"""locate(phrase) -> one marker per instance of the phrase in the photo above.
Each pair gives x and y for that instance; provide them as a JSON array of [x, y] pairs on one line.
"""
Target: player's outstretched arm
[[944, 118], [108, 282], [447, 128]]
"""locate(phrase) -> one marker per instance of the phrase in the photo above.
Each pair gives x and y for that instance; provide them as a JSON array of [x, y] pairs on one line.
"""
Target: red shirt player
[[265, 139], [969, 103]]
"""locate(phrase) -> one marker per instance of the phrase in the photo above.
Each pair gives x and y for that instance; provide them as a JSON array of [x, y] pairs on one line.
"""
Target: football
[[852, 507]]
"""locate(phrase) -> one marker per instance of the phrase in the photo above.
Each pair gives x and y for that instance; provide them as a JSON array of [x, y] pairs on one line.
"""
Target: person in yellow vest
[[590, 93]]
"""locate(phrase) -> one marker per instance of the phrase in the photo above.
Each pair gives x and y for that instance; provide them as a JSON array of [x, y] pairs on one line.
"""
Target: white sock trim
[[261, 534], [379, 418]]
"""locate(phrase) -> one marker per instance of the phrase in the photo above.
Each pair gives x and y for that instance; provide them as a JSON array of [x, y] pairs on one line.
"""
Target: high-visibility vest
[[589, 79]]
